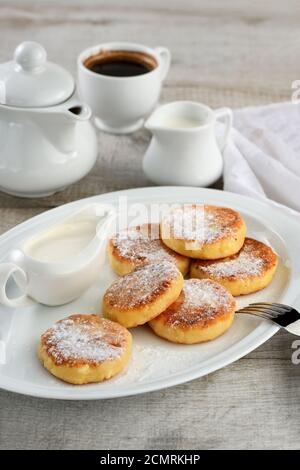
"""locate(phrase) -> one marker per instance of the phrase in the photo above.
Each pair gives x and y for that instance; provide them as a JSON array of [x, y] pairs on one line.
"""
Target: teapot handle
[[227, 116], [6, 271]]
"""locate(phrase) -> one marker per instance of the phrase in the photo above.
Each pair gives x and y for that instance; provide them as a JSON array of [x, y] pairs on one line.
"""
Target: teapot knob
[[30, 56]]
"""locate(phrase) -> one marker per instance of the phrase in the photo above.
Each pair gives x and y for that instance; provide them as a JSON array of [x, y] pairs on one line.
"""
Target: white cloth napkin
[[262, 157]]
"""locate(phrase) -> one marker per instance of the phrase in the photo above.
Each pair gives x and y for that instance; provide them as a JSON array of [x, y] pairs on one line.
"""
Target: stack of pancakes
[[206, 242]]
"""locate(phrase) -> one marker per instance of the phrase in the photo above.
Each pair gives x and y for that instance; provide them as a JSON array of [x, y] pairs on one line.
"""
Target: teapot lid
[[30, 81]]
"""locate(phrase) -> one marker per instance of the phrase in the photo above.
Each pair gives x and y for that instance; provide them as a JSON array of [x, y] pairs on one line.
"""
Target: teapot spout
[[78, 112], [59, 124]]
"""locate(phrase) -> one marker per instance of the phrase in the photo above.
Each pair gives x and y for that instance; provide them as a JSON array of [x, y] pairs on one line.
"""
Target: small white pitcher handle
[[6, 271], [165, 56], [226, 115]]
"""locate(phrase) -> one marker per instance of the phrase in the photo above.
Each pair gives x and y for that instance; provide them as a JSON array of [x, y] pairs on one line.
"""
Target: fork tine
[[267, 312], [257, 309], [255, 312], [272, 304], [278, 308], [264, 304], [282, 315], [278, 313]]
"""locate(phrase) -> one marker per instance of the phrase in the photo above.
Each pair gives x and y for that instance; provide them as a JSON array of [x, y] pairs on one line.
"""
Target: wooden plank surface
[[233, 53]]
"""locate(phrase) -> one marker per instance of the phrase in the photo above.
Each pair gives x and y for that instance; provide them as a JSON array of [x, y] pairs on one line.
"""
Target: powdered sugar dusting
[[142, 244], [75, 339], [200, 301], [201, 223], [243, 266], [252, 259], [142, 285]]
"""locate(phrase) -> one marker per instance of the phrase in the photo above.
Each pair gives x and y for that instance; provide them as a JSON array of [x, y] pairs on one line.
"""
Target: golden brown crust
[[138, 297], [204, 223], [203, 231], [141, 287], [254, 259], [203, 311], [82, 339], [201, 303], [141, 244], [251, 269]]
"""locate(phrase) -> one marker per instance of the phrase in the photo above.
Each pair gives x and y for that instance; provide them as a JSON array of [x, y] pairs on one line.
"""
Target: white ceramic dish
[[155, 363], [56, 266], [47, 140], [183, 134]]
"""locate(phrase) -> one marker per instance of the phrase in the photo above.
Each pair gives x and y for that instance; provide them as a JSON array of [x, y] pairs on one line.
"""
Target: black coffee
[[121, 63], [119, 68]]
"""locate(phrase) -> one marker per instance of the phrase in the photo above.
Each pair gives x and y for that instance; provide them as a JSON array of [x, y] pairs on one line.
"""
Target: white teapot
[[46, 139]]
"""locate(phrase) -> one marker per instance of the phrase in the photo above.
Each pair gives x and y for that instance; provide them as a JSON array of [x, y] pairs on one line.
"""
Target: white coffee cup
[[120, 104]]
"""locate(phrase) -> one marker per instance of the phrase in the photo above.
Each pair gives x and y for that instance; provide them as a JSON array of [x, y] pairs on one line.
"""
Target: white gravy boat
[[57, 265]]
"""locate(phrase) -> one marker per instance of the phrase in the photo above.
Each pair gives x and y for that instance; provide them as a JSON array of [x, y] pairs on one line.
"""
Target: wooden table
[[224, 53]]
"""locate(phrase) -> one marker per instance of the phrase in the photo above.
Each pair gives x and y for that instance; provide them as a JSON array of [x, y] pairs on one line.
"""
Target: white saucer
[[155, 363], [119, 130]]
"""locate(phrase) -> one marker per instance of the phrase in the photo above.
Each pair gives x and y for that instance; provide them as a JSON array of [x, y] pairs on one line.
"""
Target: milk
[[184, 122]]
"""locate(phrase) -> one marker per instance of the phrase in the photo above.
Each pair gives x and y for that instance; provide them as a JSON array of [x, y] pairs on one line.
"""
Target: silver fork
[[283, 315]]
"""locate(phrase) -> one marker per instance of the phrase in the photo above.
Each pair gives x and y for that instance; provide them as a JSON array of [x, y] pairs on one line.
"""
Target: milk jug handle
[[224, 114], [6, 271]]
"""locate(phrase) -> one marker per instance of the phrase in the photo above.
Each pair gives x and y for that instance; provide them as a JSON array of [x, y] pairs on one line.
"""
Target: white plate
[[155, 363]]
